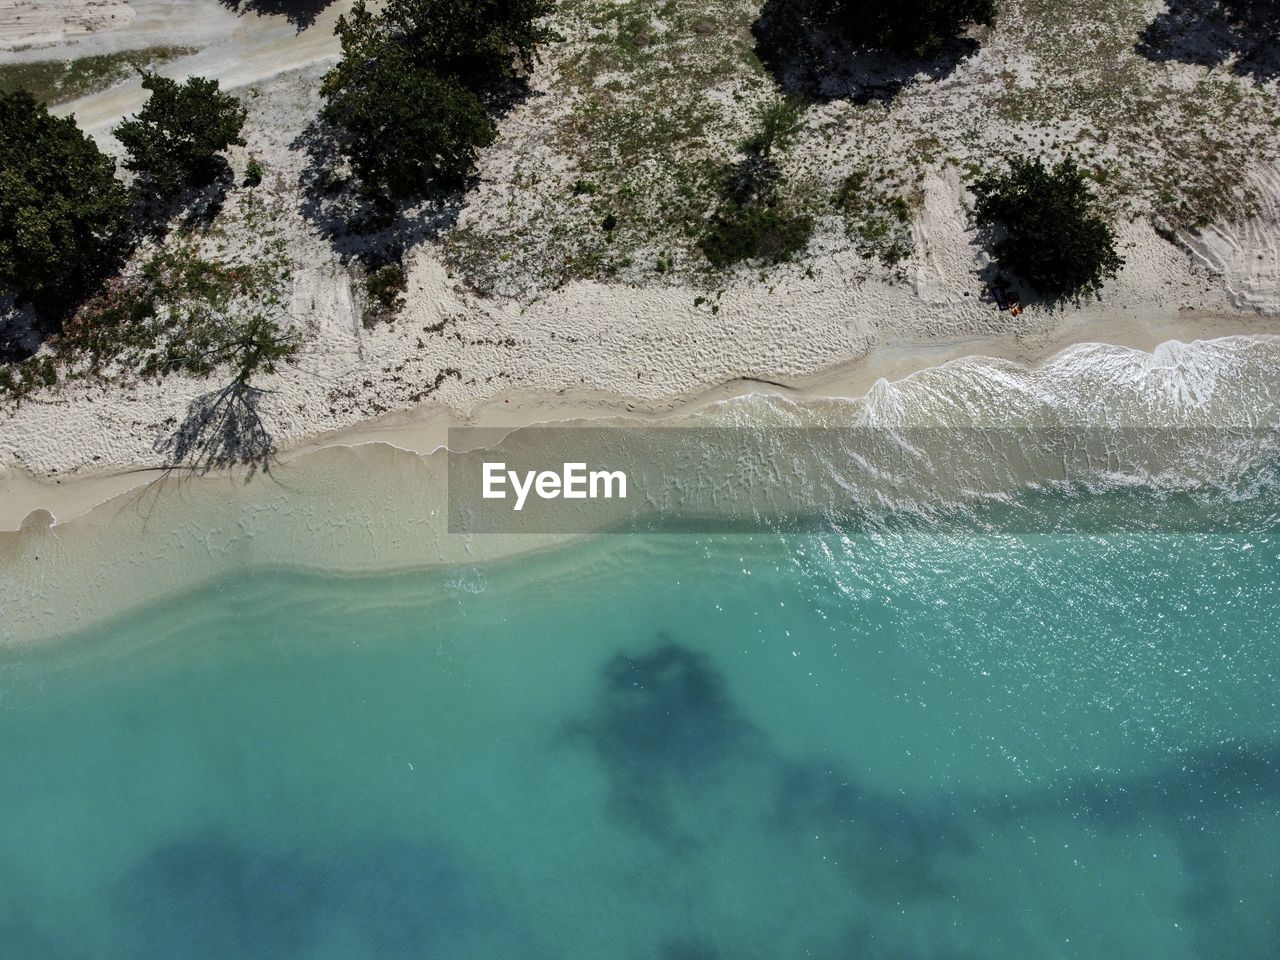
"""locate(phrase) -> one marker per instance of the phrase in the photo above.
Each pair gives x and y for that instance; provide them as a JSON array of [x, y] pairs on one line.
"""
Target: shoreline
[[423, 429], [371, 499]]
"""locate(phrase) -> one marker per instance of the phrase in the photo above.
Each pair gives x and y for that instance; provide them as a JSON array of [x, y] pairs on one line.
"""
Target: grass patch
[[657, 94], [57, 81], [199, 303], [384, 288], [877, 218], [755, 234], [1174, 149], [652, 95]]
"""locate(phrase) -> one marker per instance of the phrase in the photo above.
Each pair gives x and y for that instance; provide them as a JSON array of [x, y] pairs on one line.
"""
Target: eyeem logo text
[[573, 482]]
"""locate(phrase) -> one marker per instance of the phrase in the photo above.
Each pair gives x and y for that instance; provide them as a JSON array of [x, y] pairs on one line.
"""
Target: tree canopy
[[911, 27], [62, 210], [476, 41], [404, 126], [1054, 238], [176, 139], [408, 95]]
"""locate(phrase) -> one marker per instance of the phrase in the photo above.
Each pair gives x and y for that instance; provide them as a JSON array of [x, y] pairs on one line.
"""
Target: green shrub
[[62, 211], [253, 172], [1053, 236], [385, 288], [778, 122], [751, 224], [476, 41], [405, 126], [878, 220], [755, 233], [911, 27], [175, 139]]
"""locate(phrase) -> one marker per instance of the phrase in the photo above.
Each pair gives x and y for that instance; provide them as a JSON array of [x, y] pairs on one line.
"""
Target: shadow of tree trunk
[[222, 428]]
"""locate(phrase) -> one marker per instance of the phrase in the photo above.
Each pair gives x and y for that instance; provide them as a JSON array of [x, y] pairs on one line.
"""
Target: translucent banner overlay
[[567, 480]]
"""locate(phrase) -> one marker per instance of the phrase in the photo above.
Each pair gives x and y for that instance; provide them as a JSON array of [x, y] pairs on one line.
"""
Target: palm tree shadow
[[808, 56], [1241, 34], [301, 13]]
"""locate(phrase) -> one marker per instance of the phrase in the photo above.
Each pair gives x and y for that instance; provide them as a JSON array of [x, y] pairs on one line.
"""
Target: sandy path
[[38, 23], [237, 48]]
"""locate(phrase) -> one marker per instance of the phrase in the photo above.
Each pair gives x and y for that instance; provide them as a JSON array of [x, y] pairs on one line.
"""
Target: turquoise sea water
[[666, 748]]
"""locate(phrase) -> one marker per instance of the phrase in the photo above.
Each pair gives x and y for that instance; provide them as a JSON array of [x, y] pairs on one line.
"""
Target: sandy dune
[[1246, 254]]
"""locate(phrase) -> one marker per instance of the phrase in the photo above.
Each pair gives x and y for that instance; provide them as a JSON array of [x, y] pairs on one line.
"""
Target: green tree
[[175, 140], [912, 27], [62, 211], [477, 41], [404, 126], [1053, 235], [408, 95]]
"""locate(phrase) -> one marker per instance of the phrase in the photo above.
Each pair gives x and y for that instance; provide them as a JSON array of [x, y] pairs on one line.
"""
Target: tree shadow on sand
[[221, 429], [373, 229], [367, 230], [26, 322], [809, 57], [1244, 34], [301, 13]]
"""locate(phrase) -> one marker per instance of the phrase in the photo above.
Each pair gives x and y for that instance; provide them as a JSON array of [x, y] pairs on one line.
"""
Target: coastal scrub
[[1053, 236], [62, 210]]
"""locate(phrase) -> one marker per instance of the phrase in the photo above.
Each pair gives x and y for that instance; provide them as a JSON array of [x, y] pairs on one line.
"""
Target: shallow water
[[902, 746]]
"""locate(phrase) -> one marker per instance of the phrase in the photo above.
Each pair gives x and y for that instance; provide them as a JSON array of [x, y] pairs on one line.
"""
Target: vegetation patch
[[62, 210], [878, 217], [384, 289], [755, 234], [178, 137], [56, 81], [1054, 236], [200, 304], [1175, 144], [753, 224], [654, 96], [19, 381], [412, 93], [194, 306]]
